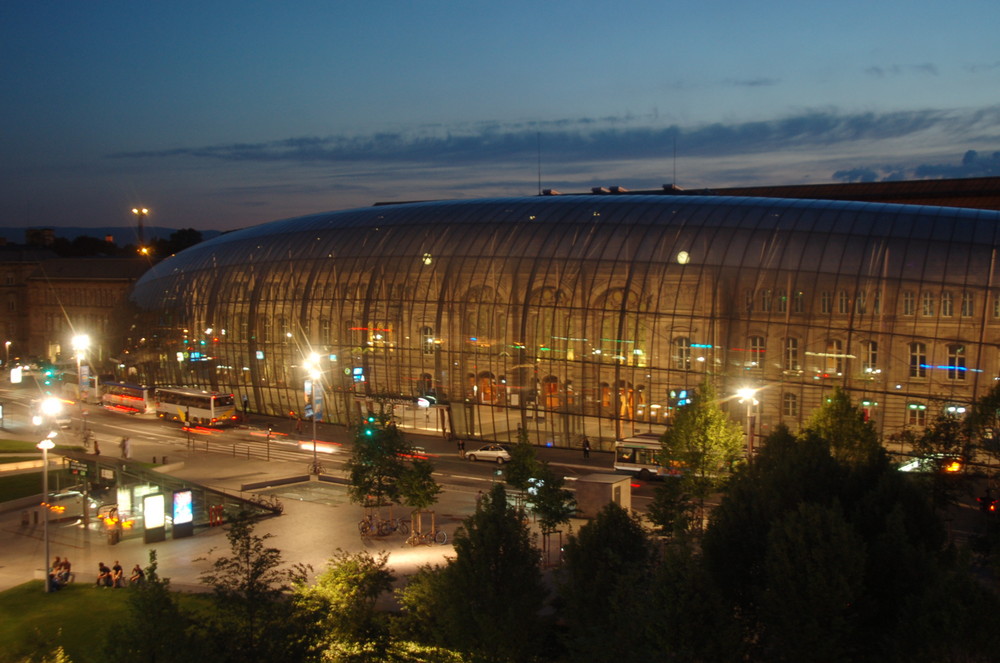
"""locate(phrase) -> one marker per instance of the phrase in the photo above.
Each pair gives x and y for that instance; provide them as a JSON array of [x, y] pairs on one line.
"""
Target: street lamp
[[45, 445], [140, 214], [312, 365], [746, 395], [80, 343]]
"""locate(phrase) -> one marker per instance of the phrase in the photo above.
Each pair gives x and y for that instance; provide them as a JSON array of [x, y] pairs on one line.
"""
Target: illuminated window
[[682, 353], [968, 306], [756, 352], [324, 331], [947, 304], [869, 360], [427, 343], [862, 304], [825, 302], [285, 331], [834, 357], [782, 301], [918, 360], [956, 362], [789, 405], [791, 358], [798, 302], [844, 302], [916, 414], [927, 304], [909, 303]]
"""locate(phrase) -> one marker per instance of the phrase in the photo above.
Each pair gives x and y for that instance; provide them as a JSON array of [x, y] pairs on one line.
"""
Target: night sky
[[220, 115]]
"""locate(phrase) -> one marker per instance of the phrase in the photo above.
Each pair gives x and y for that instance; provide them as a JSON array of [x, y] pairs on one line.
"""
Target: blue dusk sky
[[221, 115]]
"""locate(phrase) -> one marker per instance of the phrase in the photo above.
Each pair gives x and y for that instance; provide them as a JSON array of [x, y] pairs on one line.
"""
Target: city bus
[[639, 455], [128, 398], [195, 406]]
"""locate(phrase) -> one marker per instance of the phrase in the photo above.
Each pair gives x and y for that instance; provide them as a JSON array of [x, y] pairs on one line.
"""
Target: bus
[[127, 398], [639, 455], [195, 406]]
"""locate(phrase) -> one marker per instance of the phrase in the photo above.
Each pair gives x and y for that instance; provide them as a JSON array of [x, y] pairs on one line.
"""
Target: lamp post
[[80, 343], [746, 395], [45, 445], [312, 365], [140, 215]]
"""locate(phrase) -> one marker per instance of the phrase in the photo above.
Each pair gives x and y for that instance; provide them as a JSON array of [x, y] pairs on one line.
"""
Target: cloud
[[972, 165], [893, 70], [590, 139]]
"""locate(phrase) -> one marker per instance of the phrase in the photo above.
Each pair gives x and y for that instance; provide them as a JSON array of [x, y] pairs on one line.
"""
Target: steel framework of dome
[[573, 315]]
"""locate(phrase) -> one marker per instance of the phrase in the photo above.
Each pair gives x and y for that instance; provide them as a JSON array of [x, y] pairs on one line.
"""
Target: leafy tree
[[852, 440], [417, 487], [523, 465], [706, 443], [946, 440], [342, 602], [604, 586], [485, 601], [254, 621], [815, 564], [153, 611], [553, 503], [376, 463]]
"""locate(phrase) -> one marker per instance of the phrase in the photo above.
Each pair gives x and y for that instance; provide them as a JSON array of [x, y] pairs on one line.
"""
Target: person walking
[[461, 448], [586, 447]]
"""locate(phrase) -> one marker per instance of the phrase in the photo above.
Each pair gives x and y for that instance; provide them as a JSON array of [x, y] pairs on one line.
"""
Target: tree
[[376, 463], [706, 444], [852, 440], [342, 602], [485, 601], [553, 503], [253, 620], [946, 441], [523, 465], [604, 585], [153, 611]]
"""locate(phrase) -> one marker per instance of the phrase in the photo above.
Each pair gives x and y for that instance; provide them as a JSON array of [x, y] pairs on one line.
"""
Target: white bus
[[639, 455], [195, 406], [128, 398]]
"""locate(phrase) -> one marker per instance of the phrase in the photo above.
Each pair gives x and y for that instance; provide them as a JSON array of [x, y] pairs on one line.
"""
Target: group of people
[[60, 573], [115, 576]]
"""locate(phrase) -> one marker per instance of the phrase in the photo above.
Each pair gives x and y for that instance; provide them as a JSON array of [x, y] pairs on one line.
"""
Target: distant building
[[589, 314]]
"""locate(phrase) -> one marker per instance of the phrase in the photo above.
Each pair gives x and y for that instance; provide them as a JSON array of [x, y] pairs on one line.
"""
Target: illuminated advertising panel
[[183, 511], [153, 511]]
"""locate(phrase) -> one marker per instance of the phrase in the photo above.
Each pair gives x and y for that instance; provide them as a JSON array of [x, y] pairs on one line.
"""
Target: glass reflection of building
[[572, 315]]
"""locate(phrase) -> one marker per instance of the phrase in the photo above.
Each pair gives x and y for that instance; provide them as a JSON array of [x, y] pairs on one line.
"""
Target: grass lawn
[[24, 484], [78, 617], [21, 446]]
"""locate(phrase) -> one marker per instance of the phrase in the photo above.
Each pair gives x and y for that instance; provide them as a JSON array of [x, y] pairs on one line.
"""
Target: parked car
[[69, 504], [490, 452]]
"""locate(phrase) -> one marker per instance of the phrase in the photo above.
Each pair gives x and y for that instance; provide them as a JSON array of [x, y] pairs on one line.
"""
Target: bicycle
[[397, 524], [439, 537]]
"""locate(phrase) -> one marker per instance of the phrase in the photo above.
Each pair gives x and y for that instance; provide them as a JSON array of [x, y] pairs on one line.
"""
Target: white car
[[492, 452]]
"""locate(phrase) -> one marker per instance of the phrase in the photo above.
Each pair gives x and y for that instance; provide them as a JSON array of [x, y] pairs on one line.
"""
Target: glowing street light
[[45, 445], [746, 395], [140, 214], [80, 343], [312, 366]]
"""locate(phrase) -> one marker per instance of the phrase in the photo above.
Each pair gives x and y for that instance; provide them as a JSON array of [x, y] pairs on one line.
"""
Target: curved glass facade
[[573, 315]]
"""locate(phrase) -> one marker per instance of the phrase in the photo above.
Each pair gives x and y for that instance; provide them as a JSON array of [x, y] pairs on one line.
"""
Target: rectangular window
[[765, 300], [927, 304], [844, 303], [748, 301], [956, 362], [916, 414], [869, 361], [798, 302], [996, 305], [908, 303], [782, 301], [790, 405], [877, 302], [918, 360], [862, 306], [947, 304], [968, 306], [834, 357], [826, 302], [791, 359]]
